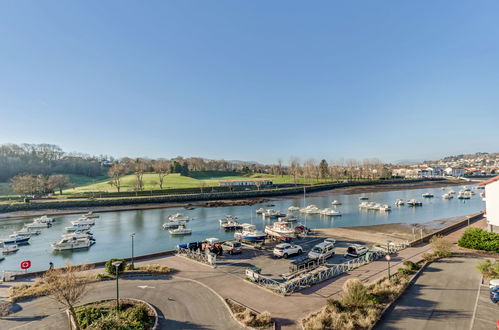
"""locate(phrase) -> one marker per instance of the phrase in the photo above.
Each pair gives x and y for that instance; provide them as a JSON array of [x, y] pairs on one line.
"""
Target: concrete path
[[182, 304], [443, 297]]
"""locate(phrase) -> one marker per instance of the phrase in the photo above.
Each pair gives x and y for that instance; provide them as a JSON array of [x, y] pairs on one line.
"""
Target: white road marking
[[476, 303], [145, 287]]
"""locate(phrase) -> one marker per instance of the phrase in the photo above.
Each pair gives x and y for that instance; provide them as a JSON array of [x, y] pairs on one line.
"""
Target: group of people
[[215, 248]]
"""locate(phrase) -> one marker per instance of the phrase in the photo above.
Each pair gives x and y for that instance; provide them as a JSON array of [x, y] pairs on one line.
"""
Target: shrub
[[489, 269], [411, 265], [405, 271], [429, 257], [354, 294], [441, 246], [110, 269], [479, 239], [87, 314], [154, 268]]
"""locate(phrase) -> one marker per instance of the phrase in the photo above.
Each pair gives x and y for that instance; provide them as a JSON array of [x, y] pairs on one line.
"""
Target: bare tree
[[116, 172], [66, 287], [59, 182], [162, 167], [139, 167], [202, 185], [295, 169], [24, 184]]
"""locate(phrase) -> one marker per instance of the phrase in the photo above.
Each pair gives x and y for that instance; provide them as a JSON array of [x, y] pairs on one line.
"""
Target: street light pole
[[132, 235], [388, 258], [117, 264]]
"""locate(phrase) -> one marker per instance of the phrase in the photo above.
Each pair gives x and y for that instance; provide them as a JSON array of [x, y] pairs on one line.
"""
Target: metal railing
[[198, 255], [320, 273]]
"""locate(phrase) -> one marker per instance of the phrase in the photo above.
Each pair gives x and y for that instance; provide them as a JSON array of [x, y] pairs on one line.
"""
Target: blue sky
[[252, 80]]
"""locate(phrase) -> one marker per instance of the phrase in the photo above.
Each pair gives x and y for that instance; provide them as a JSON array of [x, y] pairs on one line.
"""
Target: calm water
[[112, 229]]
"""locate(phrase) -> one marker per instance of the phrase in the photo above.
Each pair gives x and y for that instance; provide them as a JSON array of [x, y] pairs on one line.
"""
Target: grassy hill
[[175, 181]]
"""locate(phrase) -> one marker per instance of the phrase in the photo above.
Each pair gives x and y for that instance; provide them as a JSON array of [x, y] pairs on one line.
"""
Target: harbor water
[[112, 230]]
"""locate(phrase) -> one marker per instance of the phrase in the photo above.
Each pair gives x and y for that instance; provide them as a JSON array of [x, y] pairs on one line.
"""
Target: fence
[[321, 273], [205, 258]]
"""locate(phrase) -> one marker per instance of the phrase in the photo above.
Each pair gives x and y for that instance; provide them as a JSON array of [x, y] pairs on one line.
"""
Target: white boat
[[447, 196], [280, 229], [181, 230], [335, 202], [384, 208], [330, 212], [83, 221], [11, 248], [414, 202], [35, 225], [399, 202], [72, 243], [179, 217], [78, 227], [270, 213], [28, 232], [310, 209], [290, 218], [91, 215], [260, 211], [249, 233], [427, 195], [173, 224], [452, 192], [16, 239], [230, 223], [79, 234], [44, 219], [293, 209]]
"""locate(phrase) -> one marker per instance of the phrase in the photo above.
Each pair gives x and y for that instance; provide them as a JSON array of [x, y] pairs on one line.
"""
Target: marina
[[112, 229]]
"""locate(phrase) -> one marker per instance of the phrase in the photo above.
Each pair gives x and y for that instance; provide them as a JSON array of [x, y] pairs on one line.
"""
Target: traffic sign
[[25, 264]]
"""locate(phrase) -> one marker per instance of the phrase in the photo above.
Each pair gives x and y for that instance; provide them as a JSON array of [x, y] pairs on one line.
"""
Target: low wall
[[465, 222], [181, 198]]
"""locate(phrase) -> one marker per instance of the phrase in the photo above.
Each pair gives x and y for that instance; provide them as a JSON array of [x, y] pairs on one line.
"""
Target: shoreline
[[231, 202]]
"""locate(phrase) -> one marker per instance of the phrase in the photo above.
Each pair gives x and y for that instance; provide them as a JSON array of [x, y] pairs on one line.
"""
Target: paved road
[[443, 297], [183, 304]]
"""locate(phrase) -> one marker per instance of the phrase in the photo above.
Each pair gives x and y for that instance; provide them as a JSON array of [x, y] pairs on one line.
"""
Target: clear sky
[[252, 80]]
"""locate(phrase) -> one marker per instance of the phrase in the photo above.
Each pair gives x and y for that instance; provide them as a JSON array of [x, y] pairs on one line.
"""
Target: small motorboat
[[173, 224], [16, 239], [44, 219], [427, 195], [363, 198], [447, 196], [229, 223], [72, 243], [280, 229], [249, 233], [310, 209], [399, 202], [273, 214], [78, 227], [84, 221], [11, 248], [260, 211], [384, 208], [335, 202], [293, 209], [414, 202], [181, 230], [91, 215], [36, 225], [25, 231], [330, 212], [290, 218], [79, 235], [179, 217]]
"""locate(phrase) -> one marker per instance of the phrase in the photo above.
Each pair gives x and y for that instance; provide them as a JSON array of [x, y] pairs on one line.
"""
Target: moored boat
[[72, 243], [179, 217], [249, 233], [181, 230], [10, 248], [280, 229], [16, 239]]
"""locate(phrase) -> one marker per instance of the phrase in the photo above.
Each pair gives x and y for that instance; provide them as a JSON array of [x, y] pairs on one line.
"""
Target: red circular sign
[[388, 257], [25, 264]]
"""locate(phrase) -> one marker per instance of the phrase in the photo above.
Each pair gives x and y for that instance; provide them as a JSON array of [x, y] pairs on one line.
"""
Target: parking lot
[[274, 267]]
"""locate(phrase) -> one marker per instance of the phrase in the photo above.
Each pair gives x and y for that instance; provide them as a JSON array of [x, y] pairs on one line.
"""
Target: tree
[[323, 169], [116, 172], [295, 169], [66, 287], [59, 182], [202, 185], [139, 167], [162, 168], [24, 184]]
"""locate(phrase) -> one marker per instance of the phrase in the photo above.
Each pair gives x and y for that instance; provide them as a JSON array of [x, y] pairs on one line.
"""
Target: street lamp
[[132, 235], [117, 264], [388, 258]]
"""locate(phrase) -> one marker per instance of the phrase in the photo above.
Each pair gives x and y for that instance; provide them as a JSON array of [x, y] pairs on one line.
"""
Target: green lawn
[[177, 181]]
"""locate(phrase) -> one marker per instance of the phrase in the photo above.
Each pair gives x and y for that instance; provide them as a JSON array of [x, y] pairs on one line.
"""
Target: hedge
[[479, 239]]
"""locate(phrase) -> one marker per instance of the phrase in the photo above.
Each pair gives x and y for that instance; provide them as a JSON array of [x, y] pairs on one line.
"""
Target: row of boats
[[78, 235]]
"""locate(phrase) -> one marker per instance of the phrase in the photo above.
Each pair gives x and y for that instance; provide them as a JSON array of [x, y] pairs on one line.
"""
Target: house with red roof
[[491, 197]]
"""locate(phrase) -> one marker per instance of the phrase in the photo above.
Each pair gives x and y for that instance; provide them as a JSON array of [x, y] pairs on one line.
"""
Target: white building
[[491, 197], [249, 182], [455, 171]]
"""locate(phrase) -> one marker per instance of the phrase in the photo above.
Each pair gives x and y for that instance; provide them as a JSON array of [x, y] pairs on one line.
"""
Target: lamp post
[[132, 235], [117, 264], [388, 258]]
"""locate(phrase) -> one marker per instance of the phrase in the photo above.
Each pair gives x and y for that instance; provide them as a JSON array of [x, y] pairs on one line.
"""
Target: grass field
[[176, 181]]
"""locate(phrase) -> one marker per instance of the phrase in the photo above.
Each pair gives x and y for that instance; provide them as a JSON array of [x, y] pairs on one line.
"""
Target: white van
[[322, 250]]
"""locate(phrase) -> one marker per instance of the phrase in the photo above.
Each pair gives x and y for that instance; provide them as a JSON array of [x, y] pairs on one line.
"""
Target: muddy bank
[[396, 232]]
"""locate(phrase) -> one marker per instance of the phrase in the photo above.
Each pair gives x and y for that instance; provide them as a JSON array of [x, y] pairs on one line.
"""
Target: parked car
[[355, 251], [494, 295], [322, 250], [330, 240], [285, 250], [232, 247]]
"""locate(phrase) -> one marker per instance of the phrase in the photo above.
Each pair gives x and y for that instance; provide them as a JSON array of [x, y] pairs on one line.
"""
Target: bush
[[405, 271], [441, 246], [411, 265], [429, 257], [110, 269], [87, 314], [479, 239], [354, 294], [489, 269]]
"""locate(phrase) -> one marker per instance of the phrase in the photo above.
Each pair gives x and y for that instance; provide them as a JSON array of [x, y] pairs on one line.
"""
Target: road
[[443, 297], [181, 303]]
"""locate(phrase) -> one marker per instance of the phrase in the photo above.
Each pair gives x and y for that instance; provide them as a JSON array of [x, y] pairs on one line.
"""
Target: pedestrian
[[51, 265]]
